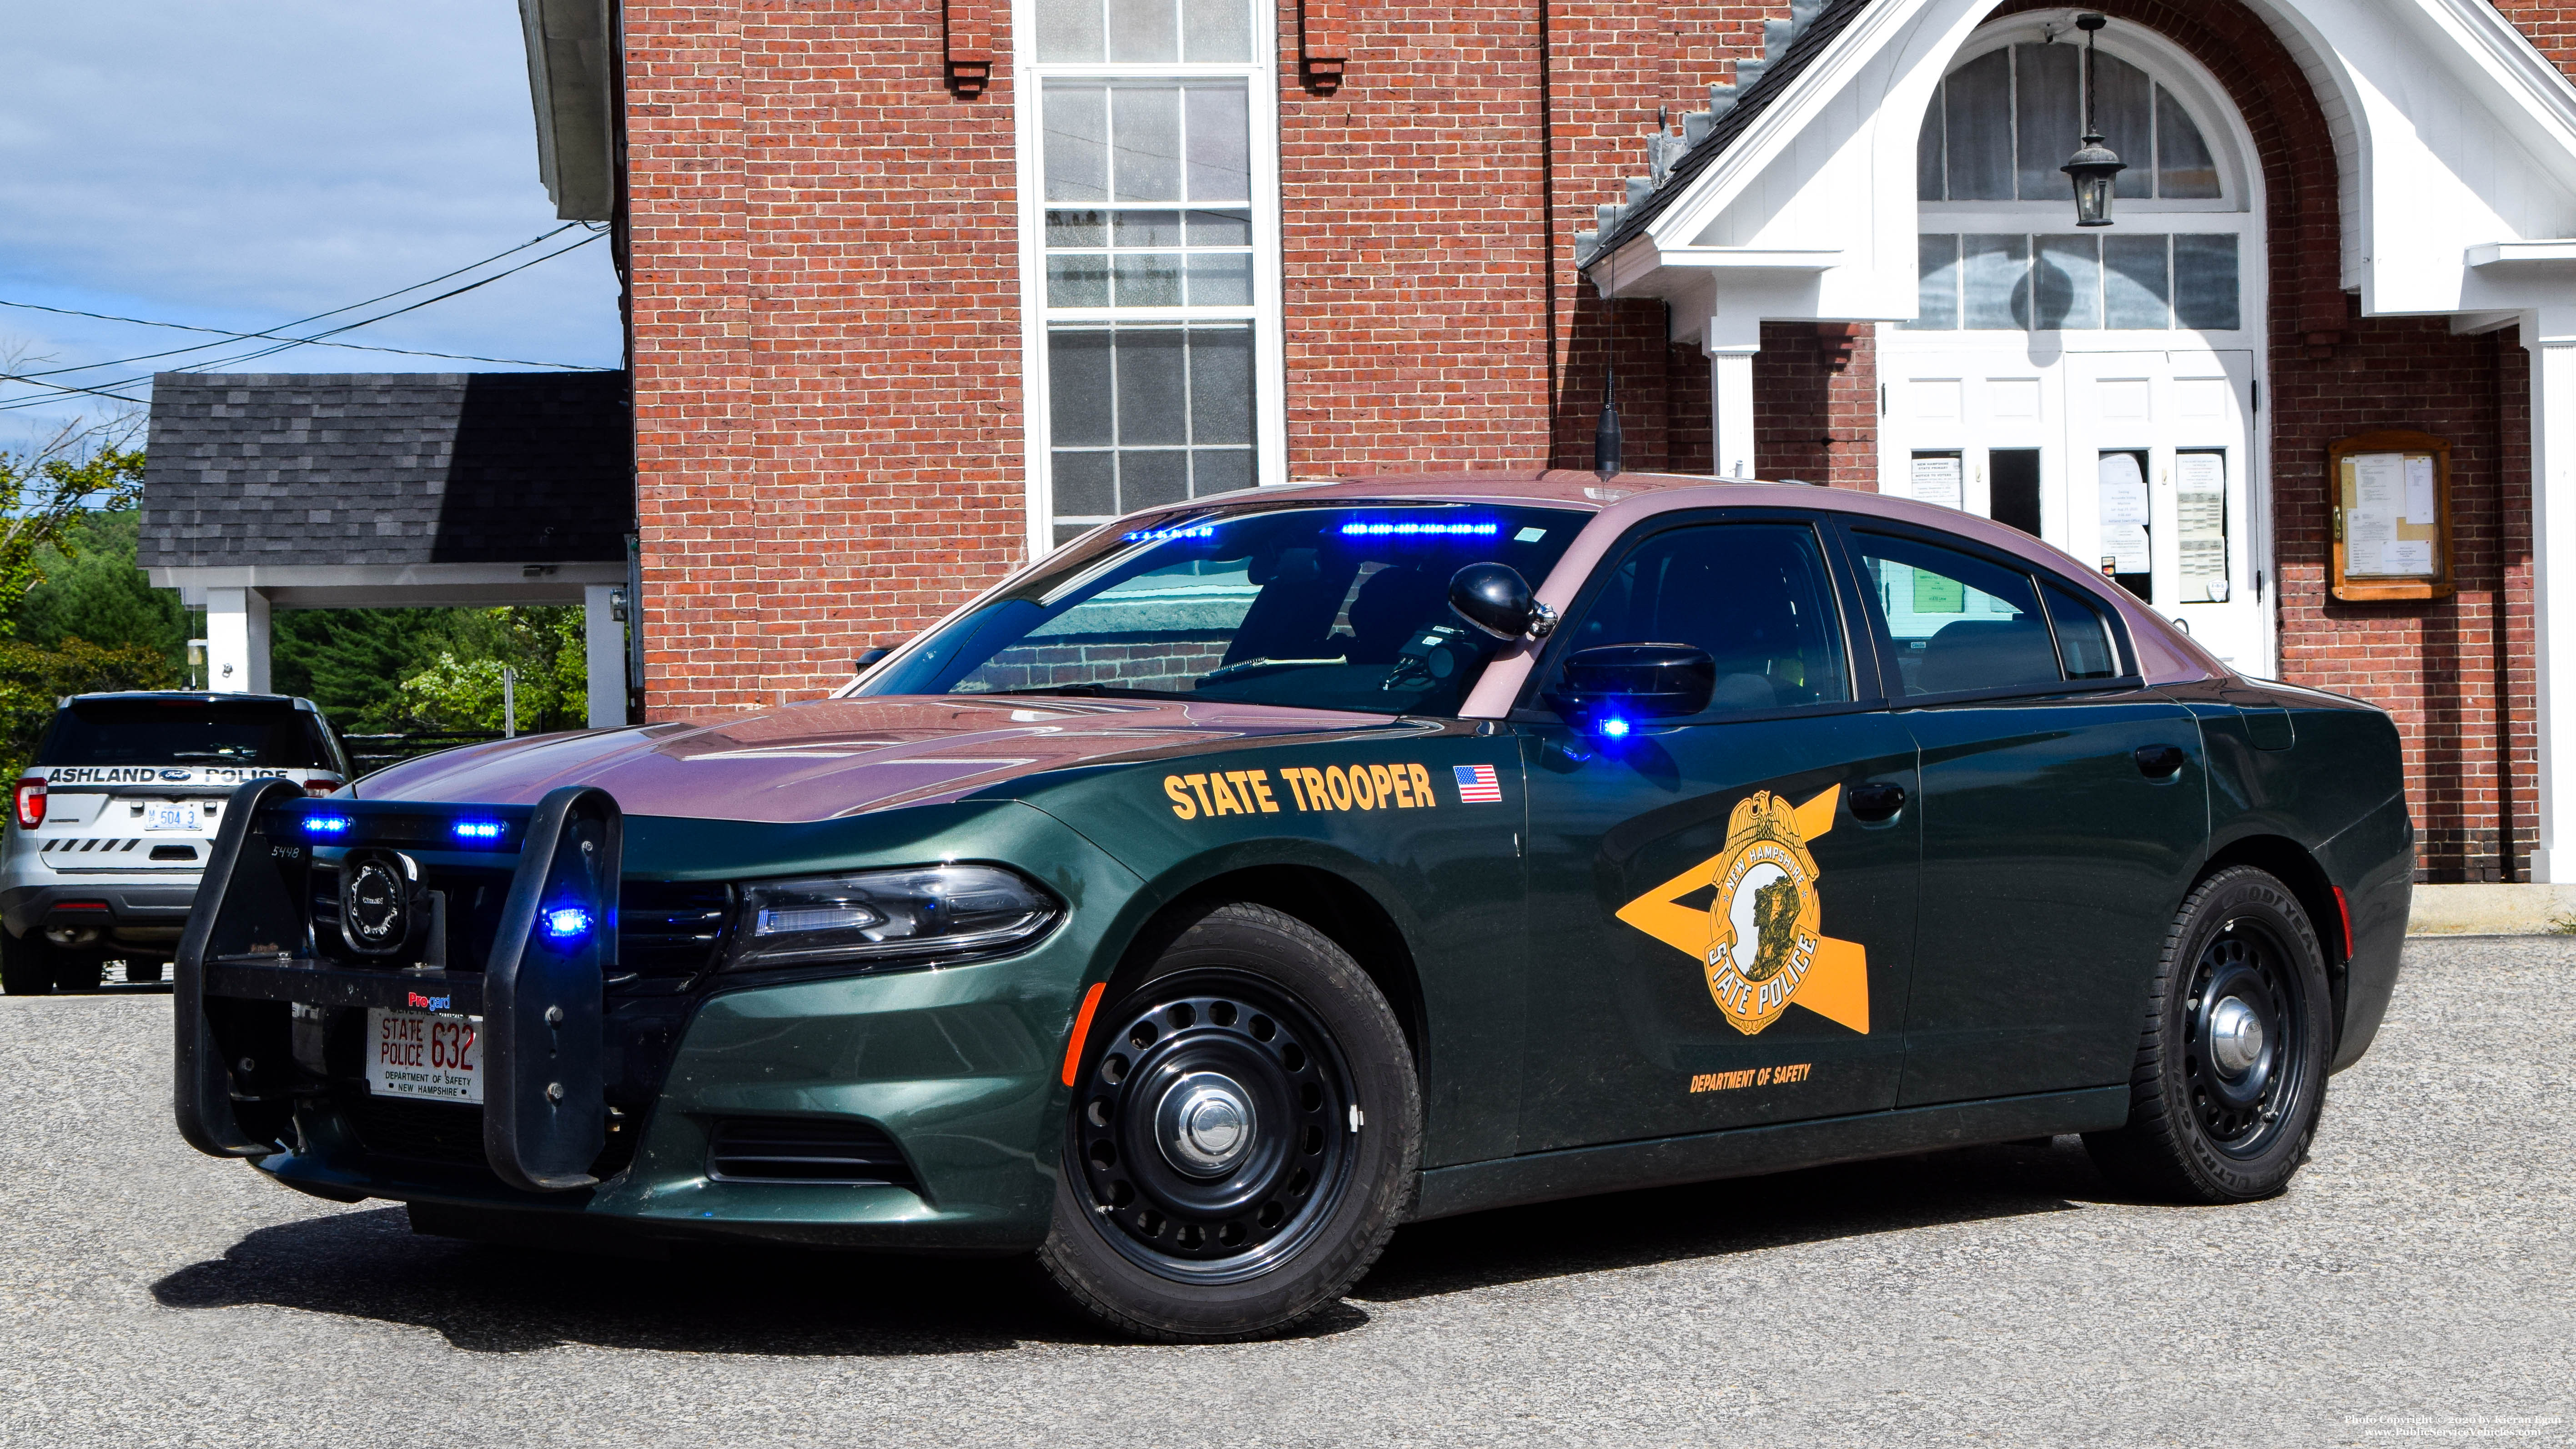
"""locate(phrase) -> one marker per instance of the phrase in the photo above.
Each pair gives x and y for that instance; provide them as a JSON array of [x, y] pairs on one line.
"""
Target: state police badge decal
[[1760, 942]]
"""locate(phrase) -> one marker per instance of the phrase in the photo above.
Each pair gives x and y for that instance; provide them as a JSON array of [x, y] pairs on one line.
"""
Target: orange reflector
[[1081, 1029], [2344, 911]]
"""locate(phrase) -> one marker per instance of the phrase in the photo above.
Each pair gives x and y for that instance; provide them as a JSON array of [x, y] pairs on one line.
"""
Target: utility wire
[[290, 343], [282, 326], [246, 337]]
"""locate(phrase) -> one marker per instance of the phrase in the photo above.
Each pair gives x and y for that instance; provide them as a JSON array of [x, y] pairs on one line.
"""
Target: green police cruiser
[[1263, 872]]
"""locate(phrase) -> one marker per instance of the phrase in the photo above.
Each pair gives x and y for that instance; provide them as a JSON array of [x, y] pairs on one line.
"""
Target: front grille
[[805, 1149], [670, 928], [418, 1131]]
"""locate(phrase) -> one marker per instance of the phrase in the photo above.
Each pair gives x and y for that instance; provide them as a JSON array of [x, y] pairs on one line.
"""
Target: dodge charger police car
[[1262, 872]]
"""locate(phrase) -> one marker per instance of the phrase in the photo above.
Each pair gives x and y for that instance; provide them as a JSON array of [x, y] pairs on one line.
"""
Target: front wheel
[[1244, 1136], [2231, 1071]]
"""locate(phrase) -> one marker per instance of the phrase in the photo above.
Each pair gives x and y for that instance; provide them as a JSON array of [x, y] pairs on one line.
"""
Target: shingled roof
[[1805, 39], [387, 468]]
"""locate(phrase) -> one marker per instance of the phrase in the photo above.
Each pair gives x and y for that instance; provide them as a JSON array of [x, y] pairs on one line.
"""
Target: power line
[[315, 339], [244, 337], [282, 326]]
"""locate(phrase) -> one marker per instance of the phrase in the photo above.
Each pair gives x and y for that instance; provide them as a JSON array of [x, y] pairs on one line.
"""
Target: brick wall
[[826, 339]]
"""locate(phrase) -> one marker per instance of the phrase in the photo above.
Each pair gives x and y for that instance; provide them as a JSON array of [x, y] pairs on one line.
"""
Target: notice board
[[2391, 496]]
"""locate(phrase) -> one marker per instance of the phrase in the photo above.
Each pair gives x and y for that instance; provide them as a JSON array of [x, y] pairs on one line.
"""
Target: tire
[[1170, 1226], [2219, 1115], [26, 965], [78, 970]]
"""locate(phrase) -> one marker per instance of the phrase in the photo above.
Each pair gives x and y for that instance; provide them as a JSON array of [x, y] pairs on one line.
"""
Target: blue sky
[[241, 165]]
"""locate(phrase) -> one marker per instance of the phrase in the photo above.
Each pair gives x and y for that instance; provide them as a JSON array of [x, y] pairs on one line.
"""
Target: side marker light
[[1081, 1029], [2345, 911]]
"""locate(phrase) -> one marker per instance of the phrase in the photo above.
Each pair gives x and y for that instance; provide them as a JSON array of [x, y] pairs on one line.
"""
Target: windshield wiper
[[207, 755], [1256, 666], [1096, 691]]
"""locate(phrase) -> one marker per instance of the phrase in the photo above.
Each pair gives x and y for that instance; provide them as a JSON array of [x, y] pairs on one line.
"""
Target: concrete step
[[2493, 910]]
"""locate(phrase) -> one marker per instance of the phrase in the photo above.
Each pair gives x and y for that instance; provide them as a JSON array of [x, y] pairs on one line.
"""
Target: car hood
[[834, 757]]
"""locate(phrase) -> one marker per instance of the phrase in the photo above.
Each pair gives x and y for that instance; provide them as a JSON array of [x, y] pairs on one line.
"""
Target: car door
[[2063, 810], [1721, 907]]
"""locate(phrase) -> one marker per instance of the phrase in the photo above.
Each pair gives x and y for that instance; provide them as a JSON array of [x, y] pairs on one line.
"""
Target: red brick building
[[915, 292]]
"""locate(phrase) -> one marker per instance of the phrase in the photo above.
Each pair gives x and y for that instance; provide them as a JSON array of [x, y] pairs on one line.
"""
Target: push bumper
[[959, 1067]]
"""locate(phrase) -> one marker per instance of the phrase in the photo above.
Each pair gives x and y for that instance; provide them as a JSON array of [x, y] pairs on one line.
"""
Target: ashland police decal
[[1760, 941]]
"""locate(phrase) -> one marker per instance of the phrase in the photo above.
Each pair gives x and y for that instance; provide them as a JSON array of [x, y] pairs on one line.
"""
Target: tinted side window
[[1756, 596], [2084, 638], [1958, 622]]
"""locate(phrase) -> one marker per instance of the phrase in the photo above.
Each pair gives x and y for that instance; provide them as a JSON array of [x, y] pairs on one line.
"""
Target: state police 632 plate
[[434, 1056]]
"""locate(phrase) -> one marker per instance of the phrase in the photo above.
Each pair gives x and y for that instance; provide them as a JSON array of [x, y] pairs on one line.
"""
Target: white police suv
[[109, 829]]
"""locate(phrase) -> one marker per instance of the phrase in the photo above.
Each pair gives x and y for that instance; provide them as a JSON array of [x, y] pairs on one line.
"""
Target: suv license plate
[[164, 815], [438, 1057]]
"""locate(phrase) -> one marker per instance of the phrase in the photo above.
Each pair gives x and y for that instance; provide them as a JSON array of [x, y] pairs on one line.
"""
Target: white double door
[[2143, 464]]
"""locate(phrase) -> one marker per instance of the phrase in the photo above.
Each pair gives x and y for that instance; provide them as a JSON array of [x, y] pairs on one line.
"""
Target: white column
[[2550, 335], [604, 639], [237, 641], [1730, 382]]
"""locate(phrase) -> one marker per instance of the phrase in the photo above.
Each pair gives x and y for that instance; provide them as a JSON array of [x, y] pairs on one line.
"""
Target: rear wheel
[[26, 964], [2231, 1072], [78, 970], [1244, 1136]]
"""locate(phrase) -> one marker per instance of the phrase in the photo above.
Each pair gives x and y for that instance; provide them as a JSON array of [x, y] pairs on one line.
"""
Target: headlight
[[942, 911]]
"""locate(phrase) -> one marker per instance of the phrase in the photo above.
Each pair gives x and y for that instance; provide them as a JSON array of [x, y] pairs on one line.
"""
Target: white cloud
[[241, 165]]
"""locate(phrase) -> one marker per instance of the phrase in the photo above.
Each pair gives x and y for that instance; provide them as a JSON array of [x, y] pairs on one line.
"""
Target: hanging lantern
[[2094, 165]]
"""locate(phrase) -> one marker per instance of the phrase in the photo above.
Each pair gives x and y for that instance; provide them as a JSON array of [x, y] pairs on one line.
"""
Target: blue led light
[[480, 830], [1614, 728], [1433, 530], [1157, 535], [329, 825], [565, 923]]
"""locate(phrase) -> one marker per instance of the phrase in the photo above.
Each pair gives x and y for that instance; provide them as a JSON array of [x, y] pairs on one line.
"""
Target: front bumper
[[959, 1065]]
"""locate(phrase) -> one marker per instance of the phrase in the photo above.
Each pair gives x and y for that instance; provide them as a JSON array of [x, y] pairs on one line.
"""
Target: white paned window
[[1999, 250], [1149, 256]]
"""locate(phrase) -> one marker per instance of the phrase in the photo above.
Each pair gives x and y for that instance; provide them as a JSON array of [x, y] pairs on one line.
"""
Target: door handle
[[2158, 762], [1876, 801]]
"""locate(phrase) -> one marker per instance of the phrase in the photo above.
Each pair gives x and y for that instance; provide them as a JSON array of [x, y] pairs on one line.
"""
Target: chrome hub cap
[[1205, 1124], [2235, 1037]]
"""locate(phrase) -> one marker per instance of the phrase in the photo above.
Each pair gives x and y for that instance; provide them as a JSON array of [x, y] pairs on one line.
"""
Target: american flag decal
[[1477, 785]]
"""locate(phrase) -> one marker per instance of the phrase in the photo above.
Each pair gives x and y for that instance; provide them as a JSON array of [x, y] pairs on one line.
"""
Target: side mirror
[[1497, 601], [1633, 681]]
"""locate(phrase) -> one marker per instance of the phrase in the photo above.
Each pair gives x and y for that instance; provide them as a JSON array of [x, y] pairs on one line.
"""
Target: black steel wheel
[[1243, 1135], [2230, 1074], [26, 964]]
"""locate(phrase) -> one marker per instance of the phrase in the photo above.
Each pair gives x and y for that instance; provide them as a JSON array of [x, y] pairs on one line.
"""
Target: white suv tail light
[[30, 799]]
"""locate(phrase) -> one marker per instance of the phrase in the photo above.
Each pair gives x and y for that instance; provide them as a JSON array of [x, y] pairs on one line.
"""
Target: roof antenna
[[1605, 437]]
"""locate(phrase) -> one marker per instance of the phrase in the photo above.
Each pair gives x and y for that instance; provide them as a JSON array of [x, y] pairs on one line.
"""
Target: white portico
[[1899, 165], [391, 491]]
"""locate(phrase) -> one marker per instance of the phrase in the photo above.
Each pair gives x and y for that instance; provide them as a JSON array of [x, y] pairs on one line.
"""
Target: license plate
[[419, 1054], [169, 816]]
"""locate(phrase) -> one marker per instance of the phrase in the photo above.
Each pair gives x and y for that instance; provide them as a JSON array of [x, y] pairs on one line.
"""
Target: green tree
[[460, 687], [81, 467], [353, 662], [91, 590]]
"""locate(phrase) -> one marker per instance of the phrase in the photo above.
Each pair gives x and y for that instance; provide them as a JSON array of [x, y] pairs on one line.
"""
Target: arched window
[[2000, 251]]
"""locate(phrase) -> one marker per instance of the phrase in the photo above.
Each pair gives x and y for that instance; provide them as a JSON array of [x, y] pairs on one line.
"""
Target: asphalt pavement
[[2414, 1285]]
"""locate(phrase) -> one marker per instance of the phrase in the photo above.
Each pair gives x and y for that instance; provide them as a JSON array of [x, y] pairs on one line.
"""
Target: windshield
[[1326, 607], [184, 732]]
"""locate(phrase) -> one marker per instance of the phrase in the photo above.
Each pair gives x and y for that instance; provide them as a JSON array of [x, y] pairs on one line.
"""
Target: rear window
[[184, 732]]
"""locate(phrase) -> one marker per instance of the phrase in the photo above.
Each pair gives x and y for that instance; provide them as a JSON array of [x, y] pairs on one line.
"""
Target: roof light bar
[[1403, 530]]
